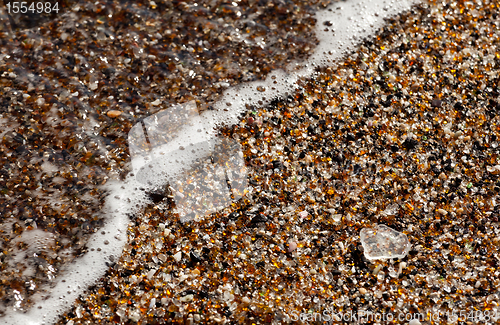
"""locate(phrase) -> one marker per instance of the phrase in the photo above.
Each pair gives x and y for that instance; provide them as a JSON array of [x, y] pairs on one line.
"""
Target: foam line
[[353, 21], [109, 241]]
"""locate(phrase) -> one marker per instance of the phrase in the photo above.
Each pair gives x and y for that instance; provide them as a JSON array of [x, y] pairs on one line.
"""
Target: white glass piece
[[205, 172], [382, 242]]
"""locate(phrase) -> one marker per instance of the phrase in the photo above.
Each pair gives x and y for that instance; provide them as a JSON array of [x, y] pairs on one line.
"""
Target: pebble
[[151, 273], [436, 103], [187, 298], [442, 211], [337, 217], [402, 266], [178, 256], [113, 113]]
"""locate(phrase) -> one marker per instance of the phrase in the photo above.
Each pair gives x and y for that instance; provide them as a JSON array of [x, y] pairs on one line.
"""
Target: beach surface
[[402, 129]]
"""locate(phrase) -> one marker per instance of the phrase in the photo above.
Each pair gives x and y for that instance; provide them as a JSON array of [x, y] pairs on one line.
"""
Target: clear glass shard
[[382, 242], [174, 147]]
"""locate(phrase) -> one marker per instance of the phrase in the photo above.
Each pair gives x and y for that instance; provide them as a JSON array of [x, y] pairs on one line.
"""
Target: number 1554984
[[33, 7]]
